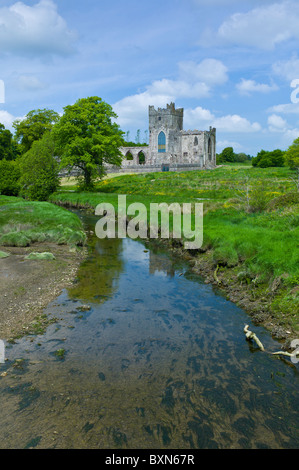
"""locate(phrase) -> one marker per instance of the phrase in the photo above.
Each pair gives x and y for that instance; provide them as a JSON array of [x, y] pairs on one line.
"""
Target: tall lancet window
[[161, 142]]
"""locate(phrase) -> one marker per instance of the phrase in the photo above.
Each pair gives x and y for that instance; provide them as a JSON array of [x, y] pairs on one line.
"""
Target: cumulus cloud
[[287, 108], [222, 144], [179, 89], [7, 119], [287, 69], [263, 27], [134, 109], [28, 82], [235, 123], [277, 123], [194, 81], [209, 71], [34, 30], [201, 118], [246, 87]]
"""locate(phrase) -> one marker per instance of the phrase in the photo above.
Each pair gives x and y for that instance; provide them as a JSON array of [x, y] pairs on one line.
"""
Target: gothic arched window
[[161, 142]]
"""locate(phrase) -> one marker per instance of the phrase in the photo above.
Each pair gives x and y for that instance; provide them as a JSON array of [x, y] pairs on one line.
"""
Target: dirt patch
[[27, 286]]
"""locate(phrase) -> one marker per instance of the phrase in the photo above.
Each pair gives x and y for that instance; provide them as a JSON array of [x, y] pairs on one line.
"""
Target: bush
[[285, 200], [39, 170], [266, 159], [9, 178]]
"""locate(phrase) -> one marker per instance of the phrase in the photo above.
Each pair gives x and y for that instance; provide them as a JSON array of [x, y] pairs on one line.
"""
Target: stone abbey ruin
[[170, 147]]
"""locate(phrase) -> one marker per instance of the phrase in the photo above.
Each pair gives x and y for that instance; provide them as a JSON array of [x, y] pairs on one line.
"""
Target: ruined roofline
[[170, 108]]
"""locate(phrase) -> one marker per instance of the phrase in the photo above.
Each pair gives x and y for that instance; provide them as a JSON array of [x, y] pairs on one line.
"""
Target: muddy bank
[[27, 286]]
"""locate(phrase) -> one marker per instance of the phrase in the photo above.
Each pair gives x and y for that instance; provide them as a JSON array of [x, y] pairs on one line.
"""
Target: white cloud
[[200, 118], [222, 144], [246, 87], [225, 2], [179, 89], [288, 108], [263, 27], [34, 30], [277, 123], [28, 82], [7, 119], [288, 69], [235, 123], [209, 71], [195, 81], [133, 109]]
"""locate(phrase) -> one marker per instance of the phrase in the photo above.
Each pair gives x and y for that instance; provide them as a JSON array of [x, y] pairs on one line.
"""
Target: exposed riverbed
[[142, 354]]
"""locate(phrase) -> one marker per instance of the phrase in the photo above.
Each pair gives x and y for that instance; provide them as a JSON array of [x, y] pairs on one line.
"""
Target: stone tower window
[[161, 142], [196, 141], [210, 149]]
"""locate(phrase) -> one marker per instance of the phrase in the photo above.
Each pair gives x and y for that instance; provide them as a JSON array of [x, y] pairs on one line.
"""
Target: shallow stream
[[142, 354]]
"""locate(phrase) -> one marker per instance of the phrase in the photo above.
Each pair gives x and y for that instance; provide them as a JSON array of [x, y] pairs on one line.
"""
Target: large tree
[[33, 127], [8, 148], [39, 169], [87, 138], [227, 155]]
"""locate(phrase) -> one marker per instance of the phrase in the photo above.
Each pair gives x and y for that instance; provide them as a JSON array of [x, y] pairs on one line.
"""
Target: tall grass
[[23, 223]]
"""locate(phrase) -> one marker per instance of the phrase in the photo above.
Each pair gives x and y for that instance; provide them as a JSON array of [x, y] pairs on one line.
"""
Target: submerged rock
[[38, 256]]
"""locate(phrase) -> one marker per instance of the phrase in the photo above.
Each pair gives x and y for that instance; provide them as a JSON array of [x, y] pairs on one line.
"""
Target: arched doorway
[[141, 158]]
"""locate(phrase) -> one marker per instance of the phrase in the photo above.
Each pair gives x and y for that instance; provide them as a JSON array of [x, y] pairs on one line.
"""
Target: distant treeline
[[229, 156], [264, 158]]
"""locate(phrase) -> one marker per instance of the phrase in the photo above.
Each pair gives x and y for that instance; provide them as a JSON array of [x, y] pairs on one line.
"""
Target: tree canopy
[[33, 127], [87, 138], [8, 148], [292, 154], [39, 170]]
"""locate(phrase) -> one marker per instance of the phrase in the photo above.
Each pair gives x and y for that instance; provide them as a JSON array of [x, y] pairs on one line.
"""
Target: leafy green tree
[[292, 154], [227, 155], [39, 170], [33, 127], [9, 178], [241, 157], [8, 148], [265, 159], [87, 138]]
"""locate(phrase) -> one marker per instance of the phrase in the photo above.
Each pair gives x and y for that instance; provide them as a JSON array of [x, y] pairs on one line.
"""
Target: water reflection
[[98, 275], [159, 361]]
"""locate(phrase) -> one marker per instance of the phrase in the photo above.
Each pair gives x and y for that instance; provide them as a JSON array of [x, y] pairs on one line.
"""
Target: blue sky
[[229, 64]]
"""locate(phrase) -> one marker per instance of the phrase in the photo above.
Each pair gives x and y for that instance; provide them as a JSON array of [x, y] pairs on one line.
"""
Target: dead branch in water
[[285, 353], [250, 335], [215, 275]]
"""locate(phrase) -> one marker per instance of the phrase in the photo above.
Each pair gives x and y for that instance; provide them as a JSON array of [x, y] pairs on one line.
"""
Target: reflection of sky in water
[[158, 361]]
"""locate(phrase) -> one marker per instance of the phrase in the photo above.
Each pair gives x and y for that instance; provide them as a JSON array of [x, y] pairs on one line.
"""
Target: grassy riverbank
[[251, 228], [23, 223]]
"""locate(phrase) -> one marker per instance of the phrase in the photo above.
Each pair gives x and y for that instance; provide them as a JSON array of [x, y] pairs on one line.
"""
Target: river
[[142, 354]]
